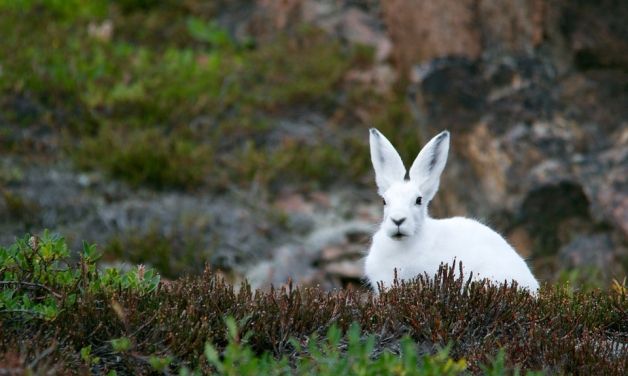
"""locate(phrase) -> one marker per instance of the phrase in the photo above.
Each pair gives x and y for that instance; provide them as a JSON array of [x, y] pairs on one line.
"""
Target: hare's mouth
[[398, 235]]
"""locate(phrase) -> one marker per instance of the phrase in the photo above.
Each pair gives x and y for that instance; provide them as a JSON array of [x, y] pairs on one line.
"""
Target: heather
[[67, 316]]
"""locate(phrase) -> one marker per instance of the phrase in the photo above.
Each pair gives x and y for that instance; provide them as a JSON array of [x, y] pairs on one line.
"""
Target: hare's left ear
[[429, 165], [387, 163]]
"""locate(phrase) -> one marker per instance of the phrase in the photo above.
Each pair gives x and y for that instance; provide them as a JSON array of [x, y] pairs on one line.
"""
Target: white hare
[[411, 242]]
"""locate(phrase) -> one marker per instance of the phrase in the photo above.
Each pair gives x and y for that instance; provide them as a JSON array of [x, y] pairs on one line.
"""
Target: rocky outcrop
[[593, 34], [540, 155], [353, 22], [314, 239], [331, 254], [229, 231], [534, 92], [424, 30]]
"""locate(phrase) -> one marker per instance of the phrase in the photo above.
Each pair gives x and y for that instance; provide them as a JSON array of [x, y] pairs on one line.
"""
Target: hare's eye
[[418, 200], [384, 201]]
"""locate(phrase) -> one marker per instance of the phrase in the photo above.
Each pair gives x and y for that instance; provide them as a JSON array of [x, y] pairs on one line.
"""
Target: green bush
[[147, 156], [163, 114], [330, 356], [38, 279], [71, 315]]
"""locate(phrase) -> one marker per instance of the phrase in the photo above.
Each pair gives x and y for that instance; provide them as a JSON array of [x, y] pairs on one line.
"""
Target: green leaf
[[85, 353], [121, 344], [159, 364], [212, 357]]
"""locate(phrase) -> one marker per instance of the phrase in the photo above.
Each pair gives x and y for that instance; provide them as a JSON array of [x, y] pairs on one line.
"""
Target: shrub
[[163, 114], [38, 279], [68, 313], [148, 157], [331, 355]]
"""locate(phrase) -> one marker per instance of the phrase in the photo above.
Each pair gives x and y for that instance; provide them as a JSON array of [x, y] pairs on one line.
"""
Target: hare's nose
[[399, 221]]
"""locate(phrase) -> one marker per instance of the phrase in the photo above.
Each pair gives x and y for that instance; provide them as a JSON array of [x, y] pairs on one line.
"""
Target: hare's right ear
[[429, 164], [386, 161]]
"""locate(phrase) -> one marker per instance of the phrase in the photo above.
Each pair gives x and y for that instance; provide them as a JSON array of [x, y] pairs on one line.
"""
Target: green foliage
[[498, 367], [166, 114], [87, 357], [158, 250], [208, 32], [147, 156], [38, 278], [124, 322], [121, 344], [239, 359], [286, 163], [139, 279], [66, 10], [338, 354], [17, 206], [583, 278], [159, 364], [327, 357]]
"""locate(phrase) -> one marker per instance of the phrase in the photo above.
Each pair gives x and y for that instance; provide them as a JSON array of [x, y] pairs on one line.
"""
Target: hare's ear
[[386, 161], [429, 164]]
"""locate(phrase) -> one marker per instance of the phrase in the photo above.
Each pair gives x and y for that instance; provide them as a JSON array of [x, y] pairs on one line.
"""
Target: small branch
[[34, 313], [44, 354], [143, 325], [31, 284]]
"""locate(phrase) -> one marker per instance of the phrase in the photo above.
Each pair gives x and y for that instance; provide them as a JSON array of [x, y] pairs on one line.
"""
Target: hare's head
[[407, 194]]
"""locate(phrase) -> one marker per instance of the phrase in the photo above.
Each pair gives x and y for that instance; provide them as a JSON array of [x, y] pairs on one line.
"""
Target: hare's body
[[412, 243], [480, 249]]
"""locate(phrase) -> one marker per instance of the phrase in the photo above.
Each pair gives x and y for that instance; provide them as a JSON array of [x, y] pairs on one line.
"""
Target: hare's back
[[461, 232], [481, 250], [472, 243]]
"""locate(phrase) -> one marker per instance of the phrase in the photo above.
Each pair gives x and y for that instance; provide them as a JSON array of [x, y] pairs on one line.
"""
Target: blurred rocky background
[[178, 133]]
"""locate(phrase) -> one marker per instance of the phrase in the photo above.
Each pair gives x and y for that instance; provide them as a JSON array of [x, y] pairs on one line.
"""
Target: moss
[[392, 117], [582, 278], [164, 253], [147, 156], [288, 162], [18, 208], [163, 114], [301, 69]]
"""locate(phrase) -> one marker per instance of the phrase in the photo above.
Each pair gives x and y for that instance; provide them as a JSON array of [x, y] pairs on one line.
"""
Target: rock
[[225, 230], [380, 77], [336, 234], [352, 270], [521, 241], [351, 250], [321, 199], [597, 33], [593, 34], [605, 179], [344, 20], [331, 253], [531, 149], [286, 265], [329, 257], [294, 203], [596, 250], [423, 30]]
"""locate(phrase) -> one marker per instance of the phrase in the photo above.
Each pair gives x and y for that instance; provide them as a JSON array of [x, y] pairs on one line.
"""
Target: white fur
[[425, 242]]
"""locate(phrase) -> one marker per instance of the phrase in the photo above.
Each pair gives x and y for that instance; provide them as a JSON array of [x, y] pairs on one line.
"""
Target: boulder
[[592, 34], [534, 152]]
